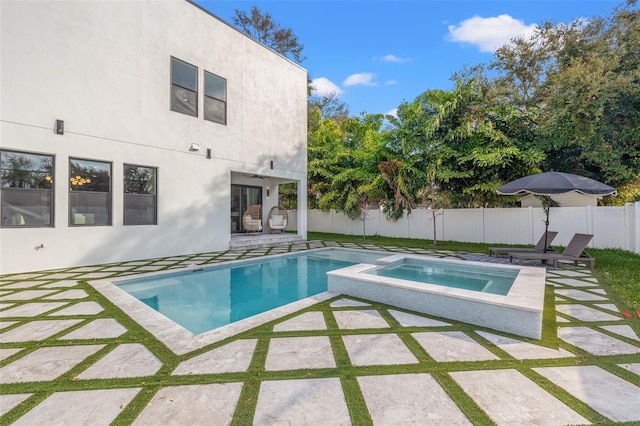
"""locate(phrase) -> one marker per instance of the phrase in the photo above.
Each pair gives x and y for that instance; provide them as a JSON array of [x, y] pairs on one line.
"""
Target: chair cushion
[[277, 220]]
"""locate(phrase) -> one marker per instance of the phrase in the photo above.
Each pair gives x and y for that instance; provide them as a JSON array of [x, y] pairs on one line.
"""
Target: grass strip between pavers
[[256, 374]]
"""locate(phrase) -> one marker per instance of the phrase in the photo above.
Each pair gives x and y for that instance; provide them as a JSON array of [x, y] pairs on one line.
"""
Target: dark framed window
[[89, 192], [184, 87], [26, 189], [140, 195], [215, 98]]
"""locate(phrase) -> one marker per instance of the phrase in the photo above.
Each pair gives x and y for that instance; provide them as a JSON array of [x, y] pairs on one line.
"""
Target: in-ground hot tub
[[502, 297]]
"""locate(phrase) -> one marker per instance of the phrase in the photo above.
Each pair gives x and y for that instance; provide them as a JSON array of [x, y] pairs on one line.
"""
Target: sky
[[378, 54]]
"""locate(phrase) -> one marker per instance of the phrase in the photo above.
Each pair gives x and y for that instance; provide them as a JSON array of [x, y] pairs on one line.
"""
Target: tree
[[262, 28], [347, 166], [582, 85]]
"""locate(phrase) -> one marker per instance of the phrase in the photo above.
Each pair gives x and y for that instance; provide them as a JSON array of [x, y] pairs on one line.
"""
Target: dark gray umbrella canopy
[[555, 183], [550, 183]]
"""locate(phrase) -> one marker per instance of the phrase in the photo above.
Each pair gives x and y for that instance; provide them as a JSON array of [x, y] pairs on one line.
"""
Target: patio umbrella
[[549, 183]]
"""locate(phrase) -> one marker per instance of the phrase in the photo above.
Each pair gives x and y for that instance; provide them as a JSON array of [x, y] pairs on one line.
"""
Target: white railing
[[612, 227]]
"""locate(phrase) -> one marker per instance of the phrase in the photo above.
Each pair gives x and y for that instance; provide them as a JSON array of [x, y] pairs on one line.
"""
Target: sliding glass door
[[242, 197]]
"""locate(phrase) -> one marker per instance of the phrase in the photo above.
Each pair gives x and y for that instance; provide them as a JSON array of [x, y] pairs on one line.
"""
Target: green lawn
[[616, 269]]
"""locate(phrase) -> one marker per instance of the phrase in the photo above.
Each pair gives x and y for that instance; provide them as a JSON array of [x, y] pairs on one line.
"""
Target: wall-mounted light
[[194, 147], [59, 127], [271, 164], [208, 153], [268, 192]]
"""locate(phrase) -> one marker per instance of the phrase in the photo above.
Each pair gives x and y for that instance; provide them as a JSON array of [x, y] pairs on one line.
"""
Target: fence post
[[530, 227], [636, 215]]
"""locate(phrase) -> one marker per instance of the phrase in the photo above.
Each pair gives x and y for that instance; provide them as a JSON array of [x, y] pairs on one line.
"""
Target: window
[[184, 87], [26, 189], [140, 200], [215, 98], [89, 192]]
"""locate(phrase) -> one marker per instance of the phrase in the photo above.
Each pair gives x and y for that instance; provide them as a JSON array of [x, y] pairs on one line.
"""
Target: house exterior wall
[[104, 68], [570, 199]]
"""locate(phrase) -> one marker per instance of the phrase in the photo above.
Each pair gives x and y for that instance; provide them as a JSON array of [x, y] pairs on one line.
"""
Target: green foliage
[[262, 28], [568, 99]]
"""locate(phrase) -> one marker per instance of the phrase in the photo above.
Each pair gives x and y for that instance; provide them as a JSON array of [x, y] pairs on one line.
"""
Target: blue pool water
[[468, 277], [205, 299]]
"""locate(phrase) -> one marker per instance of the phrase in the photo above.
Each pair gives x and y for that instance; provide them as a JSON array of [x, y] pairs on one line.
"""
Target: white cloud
[[393, 112], [360, 79], [489, 34], [394, 58], [322, 86], [390, 82]]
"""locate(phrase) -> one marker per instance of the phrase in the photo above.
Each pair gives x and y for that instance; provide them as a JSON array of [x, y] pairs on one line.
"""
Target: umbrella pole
[[546, 224]]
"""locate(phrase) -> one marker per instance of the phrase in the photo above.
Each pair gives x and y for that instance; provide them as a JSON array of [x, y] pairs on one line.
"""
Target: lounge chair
[[575, 251], [252, 219], [278, 219], [539, 247]]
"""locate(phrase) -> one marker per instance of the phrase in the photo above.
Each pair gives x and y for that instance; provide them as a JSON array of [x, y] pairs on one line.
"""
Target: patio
[[69, 356]]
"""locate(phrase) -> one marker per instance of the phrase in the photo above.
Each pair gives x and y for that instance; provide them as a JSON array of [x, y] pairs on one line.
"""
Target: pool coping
[[519, 312]]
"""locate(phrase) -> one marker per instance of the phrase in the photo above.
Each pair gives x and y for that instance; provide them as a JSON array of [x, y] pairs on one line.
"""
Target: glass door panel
[[242, 197]]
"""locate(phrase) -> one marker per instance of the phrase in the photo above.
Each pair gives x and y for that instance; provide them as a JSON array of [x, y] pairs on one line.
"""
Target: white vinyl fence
[[612, 227]]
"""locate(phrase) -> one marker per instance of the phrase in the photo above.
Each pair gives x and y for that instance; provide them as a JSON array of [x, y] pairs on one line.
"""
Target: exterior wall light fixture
[[194, 147], [59, 127]]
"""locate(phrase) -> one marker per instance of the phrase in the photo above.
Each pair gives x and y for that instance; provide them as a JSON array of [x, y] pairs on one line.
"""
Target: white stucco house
[[138, 129]]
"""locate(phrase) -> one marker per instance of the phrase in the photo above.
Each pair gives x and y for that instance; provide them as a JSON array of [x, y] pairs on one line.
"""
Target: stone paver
[[606, 393], [82, 308], [579, 295], [452, 346], [302, 402], [409, 399], [102, 328], [622, 330], [26, 294], [347, 303], [234, 357], [295, 353], [5, 324], [46, 363], [6, 353], [21, 285], [634, 368], [306, 321], [594, 342], [585, 313], [31, 309], [127, 360], [378, 349], [36, 330], [510, 398], [212, 404], [69, 294], [569, 273], [409, 320], [90, 407], [7, 402], [609, 306], [61, 284], [573, 283], [352, 320], [524, 350]]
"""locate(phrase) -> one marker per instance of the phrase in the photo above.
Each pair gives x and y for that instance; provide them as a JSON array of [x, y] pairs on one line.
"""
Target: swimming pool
[[203, 299], [307, 283], [464, 276]]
